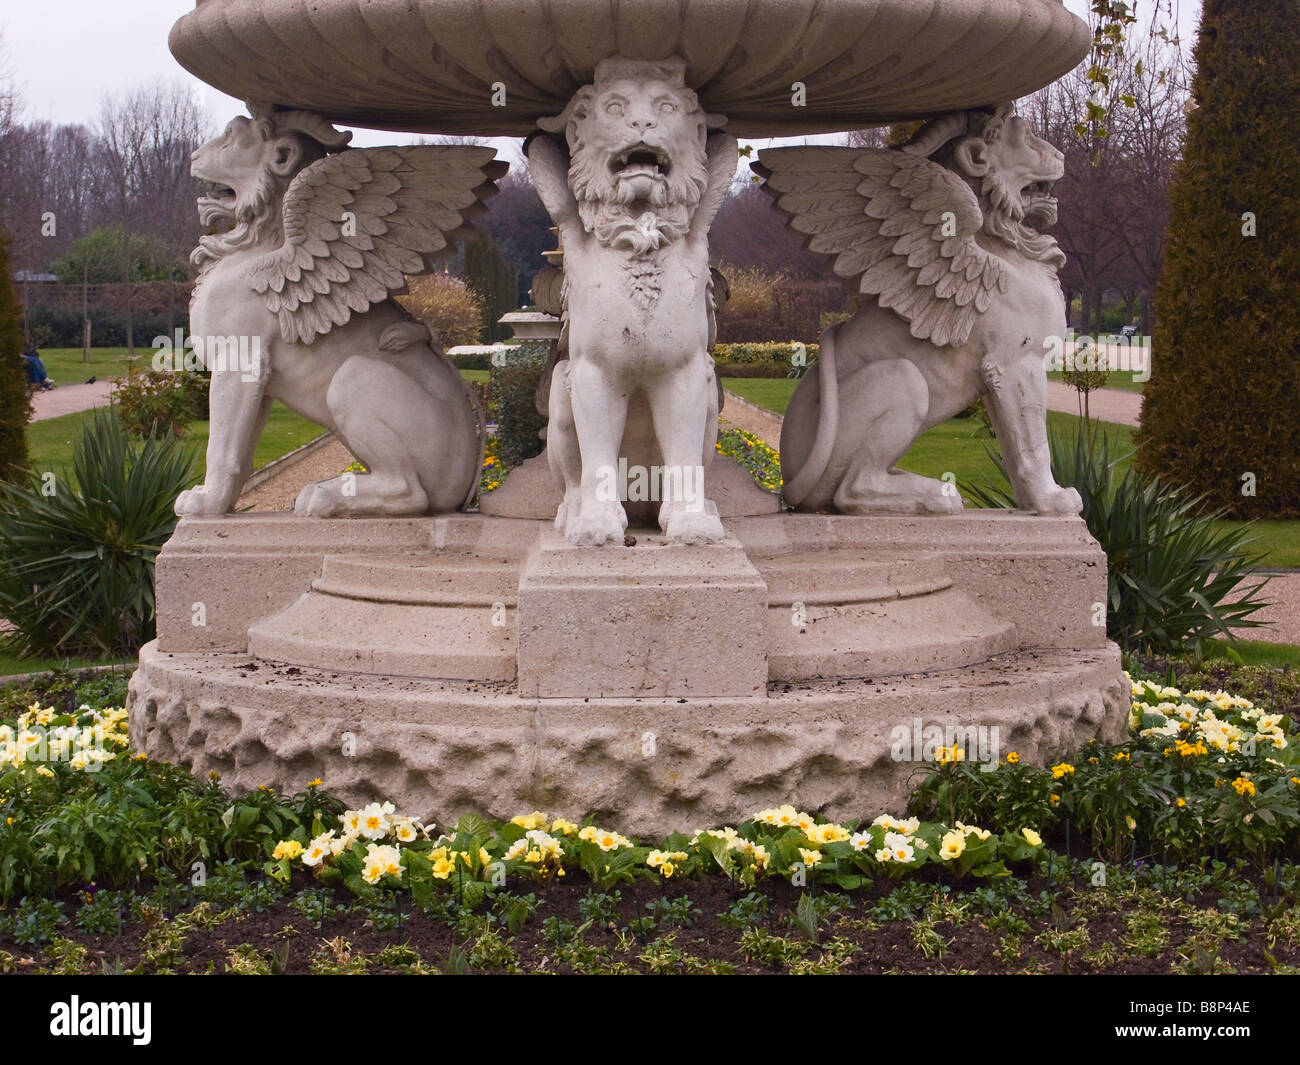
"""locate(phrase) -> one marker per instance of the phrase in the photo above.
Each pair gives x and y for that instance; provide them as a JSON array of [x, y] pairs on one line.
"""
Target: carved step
[[441, 580], [855, 613], [449, 616], [884, 638]]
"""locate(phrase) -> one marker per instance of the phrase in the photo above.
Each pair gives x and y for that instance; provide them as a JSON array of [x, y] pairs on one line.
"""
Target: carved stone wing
[[355, 223], [902, 226]]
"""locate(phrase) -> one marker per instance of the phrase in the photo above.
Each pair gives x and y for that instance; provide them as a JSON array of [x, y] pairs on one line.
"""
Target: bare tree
[[1119, 156], [146, 138]]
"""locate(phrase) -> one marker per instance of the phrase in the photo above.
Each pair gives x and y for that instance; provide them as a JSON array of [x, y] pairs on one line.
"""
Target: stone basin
[[430, 65]]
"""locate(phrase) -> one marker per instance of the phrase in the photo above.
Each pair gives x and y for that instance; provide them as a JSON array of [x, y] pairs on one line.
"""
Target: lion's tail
[[796, 489]]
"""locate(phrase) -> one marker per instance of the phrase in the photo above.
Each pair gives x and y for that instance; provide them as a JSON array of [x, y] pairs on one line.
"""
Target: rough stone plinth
[[646, 766]]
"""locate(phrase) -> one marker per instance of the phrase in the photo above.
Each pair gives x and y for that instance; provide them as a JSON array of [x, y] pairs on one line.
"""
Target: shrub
[[764, 305], [513, 390], [52, 327], [15, 407], [77, 564], [751, 292], [159, 402], [447, 306], [491, 277], [766, 352], [477, 360], [755, 369], [1222, 400], [1171, 573]]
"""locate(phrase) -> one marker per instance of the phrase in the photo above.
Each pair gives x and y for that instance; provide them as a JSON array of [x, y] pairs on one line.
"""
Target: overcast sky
[[65, 55]]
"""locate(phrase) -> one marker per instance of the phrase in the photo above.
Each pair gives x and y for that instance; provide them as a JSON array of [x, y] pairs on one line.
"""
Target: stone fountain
[[688, 657]]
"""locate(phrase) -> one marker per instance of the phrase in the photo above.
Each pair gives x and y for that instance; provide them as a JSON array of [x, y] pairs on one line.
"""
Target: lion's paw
[[947, 502], [1058, 501], [569, 508], [694, 527], [199, 502], [595, 526]]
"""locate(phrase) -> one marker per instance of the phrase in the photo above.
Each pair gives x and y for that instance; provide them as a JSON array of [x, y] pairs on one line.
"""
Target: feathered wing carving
[[900, 224], [355, 223]]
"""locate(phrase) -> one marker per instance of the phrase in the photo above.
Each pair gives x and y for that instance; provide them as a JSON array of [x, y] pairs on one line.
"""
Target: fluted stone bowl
[[431, 65]]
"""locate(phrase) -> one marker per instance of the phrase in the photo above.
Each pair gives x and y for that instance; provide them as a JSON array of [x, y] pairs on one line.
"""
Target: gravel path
[[1105, 404], [68, 399], [280, 491], [1283, 591], [737, 414]]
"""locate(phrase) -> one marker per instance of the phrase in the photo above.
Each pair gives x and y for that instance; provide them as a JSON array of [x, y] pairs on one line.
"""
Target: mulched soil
[[890, 947]]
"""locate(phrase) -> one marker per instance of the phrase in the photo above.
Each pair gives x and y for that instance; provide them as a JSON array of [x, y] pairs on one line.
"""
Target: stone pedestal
[[475, 663], [654, 619]]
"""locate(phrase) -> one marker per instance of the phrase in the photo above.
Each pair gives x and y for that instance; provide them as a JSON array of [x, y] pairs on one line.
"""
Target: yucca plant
[[1175, 580], [77, 550]]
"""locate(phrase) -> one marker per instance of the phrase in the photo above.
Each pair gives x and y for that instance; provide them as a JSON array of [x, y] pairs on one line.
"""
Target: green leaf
[[805, 917]]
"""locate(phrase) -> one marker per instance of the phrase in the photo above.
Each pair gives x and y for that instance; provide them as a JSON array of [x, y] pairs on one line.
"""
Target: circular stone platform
[[431, 65], [655, 686]]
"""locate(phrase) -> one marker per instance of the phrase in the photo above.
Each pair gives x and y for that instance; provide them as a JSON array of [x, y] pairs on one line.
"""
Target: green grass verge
[[1118, 381], [65, 367], [771, 393], [49, 443], [10, 665], [1257, 653], [1276, 539], [960, 447]]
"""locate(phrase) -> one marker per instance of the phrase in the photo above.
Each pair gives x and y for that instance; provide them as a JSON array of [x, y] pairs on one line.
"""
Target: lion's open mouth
[[641, 160], [1037, 192], [217, 203]]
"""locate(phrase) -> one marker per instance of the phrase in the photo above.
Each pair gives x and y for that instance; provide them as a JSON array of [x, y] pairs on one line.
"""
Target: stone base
[[477, 663], [654, 619], [646, 766]]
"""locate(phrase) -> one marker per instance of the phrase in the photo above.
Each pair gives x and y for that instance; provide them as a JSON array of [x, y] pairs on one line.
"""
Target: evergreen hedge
[[15, 407], [1221, 413]]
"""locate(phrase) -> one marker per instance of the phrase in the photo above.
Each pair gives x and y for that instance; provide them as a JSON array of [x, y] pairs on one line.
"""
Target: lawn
[[1118, 380], [1256, 653], [49, 443], [1277, 540], [65, 367], [11, 664], [961, 447]]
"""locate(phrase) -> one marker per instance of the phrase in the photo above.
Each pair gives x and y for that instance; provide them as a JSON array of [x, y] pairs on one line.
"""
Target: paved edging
[[18, 678]]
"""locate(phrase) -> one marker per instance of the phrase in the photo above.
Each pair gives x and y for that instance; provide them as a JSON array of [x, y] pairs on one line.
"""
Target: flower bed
[[1176, 850]]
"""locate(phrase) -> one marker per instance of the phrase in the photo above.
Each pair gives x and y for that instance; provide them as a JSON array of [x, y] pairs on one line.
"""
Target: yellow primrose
[[536, 819], [1032, 837], [952, 845], [287, 848]]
